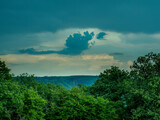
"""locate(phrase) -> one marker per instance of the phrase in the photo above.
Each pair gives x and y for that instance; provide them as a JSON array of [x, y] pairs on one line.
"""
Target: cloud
[[75, 45], [101, 35], [55, 64], [24, 59], [122, 16], [35, 52], [131, 45], [126, 46], [10, 44], [97, 57], [130, 63], [116, 53]]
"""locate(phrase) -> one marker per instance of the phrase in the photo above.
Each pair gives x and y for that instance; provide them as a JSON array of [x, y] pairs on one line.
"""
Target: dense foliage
[[138, 90], [116, 95]]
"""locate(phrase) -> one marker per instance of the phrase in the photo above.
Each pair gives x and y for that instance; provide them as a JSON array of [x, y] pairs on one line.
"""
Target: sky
[[76, 37]]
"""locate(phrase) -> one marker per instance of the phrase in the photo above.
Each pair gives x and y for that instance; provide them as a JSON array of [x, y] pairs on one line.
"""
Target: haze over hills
[[68, 81]]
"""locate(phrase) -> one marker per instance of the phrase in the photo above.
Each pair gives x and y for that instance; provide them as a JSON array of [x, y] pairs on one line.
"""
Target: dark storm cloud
[[9, 44], [77, 43], [101, 35], [116, 53], [74, 45], [24, 16]]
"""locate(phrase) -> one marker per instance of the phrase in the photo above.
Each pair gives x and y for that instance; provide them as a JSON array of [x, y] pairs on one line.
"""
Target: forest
[[116, 95]]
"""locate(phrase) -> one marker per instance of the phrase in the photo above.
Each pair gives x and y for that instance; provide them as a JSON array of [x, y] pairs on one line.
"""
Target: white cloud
[[59, 64], [130, 63], [97, 57]]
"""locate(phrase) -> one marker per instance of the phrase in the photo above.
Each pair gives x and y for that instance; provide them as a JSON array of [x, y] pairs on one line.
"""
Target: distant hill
[[68, 81]]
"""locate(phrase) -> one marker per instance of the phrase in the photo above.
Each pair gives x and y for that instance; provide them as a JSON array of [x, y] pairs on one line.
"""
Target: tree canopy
[[4, 71], [138, 89]]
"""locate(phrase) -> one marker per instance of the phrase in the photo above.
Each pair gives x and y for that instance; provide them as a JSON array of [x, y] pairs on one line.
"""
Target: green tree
[[11, 101], [27, 80], [55, 95], [142, 93], [33, 105], [4, 71], [143, 99], [77, 105], [17, 102], [109, 84], [146, 66]]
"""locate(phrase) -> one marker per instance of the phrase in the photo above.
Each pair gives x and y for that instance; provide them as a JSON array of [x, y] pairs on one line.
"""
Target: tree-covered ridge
[[116, 95], [68, 81]]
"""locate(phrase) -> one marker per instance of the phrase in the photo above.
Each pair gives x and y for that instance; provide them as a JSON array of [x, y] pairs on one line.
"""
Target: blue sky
[[76, 37]]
